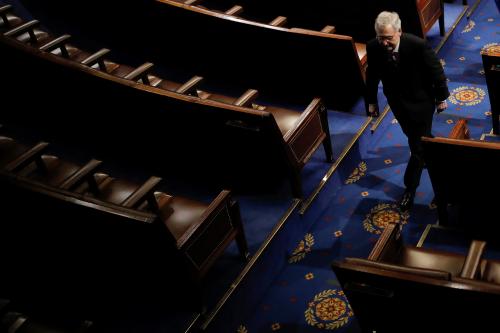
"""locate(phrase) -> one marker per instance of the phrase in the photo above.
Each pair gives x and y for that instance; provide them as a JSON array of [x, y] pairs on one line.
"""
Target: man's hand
[[373, 110], [441, 106]]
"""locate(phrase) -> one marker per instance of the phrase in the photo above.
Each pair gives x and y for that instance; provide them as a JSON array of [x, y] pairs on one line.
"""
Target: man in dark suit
[[414, 84]]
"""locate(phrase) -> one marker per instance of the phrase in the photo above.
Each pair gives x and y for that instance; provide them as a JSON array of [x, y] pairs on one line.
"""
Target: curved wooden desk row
[[170, 110], [354, 18], [290, 65], [84, 229], [419, 287], [235, 12], [318, 62]]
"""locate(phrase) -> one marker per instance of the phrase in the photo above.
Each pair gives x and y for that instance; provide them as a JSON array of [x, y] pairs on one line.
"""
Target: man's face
[[388, 37]]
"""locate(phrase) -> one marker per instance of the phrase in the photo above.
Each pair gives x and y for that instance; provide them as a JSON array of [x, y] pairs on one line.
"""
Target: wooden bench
[[391, 252], [89, 229], [166, 124], [353, 18], [390, 290], [463, 178], [292, 65], [268, 55]]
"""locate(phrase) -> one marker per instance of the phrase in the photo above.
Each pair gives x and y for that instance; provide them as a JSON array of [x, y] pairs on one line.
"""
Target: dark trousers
[[414, 130]]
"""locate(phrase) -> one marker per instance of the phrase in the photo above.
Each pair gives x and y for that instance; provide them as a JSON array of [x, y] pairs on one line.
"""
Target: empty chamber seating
[[110, 228], [401, 280], [229, 51], [229, 132], [391, 254], [51, 170], [354, 18], [12, 152]]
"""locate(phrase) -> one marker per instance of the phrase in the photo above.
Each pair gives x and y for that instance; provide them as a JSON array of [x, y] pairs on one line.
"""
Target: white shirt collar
[[396, 49]]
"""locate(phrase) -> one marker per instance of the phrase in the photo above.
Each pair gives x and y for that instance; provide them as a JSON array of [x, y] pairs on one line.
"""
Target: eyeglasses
[[382, 38]]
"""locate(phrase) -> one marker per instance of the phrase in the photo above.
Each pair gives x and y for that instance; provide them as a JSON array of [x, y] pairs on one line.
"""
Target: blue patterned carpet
[[292, 287]]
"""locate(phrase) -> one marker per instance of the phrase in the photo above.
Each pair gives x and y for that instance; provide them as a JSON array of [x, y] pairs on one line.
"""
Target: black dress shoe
[[406, 201]]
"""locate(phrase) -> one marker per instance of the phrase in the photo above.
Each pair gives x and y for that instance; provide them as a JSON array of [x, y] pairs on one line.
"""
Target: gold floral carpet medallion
[[467, 96], [328, 310], [383, 214], [492, 48]]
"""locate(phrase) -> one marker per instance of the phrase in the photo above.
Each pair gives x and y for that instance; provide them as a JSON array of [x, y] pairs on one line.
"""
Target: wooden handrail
[[140, 73], [278, 21], [59, 42], [234, 11], [27, 157], [140, 194], [190, 86], [96, 58], [26, 27], [247, 98], [81, 174]]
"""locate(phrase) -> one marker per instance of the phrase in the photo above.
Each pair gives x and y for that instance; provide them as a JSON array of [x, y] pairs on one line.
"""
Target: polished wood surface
[[383, 285], [155, 123], [85, 230], [353, 18]]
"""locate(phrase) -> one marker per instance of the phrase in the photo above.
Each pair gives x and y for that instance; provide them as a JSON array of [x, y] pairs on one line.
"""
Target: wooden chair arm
[[190, 86], [234, 11], [3, 14], [5, 9], [26, 27], [328, 29], [247, 98], [28, 157], [80, 175], [142, 193], [473, 259], [278, 21], [59, 42], [400, 269], [140, 73], [96, 58]]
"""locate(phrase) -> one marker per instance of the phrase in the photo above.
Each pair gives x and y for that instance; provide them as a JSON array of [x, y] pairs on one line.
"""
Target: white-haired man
[[415, 85]]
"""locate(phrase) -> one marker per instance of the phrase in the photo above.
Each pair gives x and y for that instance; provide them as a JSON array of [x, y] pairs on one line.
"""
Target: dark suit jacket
[[413, 84]]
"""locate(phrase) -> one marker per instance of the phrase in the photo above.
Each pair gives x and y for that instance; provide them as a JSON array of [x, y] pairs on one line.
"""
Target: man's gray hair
[[387, 18]]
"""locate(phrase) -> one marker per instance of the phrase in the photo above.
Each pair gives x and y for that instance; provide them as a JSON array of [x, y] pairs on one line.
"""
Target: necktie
[[395, 56]]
